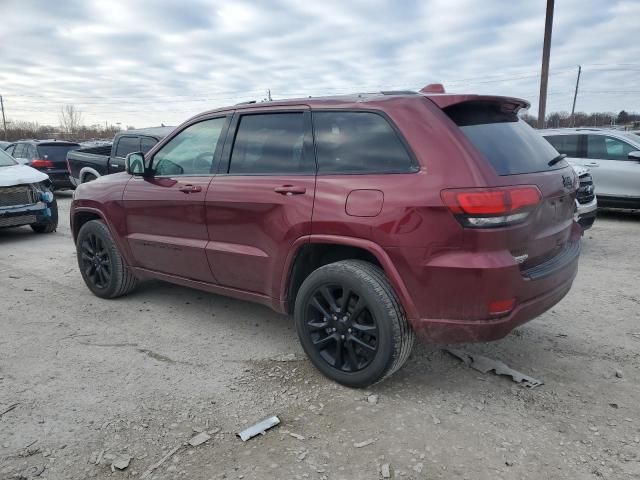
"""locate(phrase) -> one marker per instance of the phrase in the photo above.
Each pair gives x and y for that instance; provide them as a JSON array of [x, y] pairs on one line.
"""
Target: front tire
[[102, 267], [351, 324], [50, 224]]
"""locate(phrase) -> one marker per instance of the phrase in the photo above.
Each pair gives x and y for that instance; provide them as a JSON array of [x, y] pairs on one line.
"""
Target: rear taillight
[[41, 163], [492, 207]]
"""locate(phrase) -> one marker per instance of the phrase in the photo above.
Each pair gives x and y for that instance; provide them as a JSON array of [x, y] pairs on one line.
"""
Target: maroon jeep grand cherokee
[[370, 218]]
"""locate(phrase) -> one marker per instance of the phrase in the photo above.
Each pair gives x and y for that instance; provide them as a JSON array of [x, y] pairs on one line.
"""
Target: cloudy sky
[[146, 62]]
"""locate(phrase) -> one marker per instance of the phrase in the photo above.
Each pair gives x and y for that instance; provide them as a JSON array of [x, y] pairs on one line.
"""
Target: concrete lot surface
[[89, 383]]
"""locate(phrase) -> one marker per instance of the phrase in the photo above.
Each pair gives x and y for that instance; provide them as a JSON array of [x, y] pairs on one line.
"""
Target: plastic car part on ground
[[485, 365], [258, 428]]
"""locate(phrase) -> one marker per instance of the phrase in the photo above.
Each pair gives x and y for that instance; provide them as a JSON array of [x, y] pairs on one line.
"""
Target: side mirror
[[634, 155], [135, 164]]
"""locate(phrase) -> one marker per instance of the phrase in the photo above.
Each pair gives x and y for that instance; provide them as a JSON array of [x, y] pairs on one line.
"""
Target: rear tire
[[362, 342], [102, 267], [51, 224]]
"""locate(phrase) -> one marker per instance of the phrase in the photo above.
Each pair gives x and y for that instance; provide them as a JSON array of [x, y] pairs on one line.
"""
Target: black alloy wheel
[[96, 262], [342, 328]]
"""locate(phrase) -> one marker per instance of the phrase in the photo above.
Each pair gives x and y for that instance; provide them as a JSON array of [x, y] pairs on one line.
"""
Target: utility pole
[[544, 74], [269, 95], [575, 95], [4, 122]]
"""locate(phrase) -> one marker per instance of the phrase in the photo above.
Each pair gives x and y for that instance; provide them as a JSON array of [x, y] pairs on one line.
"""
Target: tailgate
[[519, 156]]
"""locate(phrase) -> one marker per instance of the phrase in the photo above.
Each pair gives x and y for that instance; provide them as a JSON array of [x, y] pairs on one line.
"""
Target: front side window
[[608, 148], [127, 145], [270, 143], [10, 149], [191, 151], [567, 144], [358, 142], [19, 151]]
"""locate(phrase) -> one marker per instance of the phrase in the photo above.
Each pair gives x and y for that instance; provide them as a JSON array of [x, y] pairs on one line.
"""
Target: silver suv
[[612, 156]]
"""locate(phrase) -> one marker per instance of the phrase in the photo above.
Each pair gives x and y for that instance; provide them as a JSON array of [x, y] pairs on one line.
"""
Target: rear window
[[358, 142], [55, 152], [508, 143]]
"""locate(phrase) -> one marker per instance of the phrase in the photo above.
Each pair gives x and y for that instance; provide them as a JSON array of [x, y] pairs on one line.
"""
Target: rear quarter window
[[510, 145], [358, 142], [567, 144]]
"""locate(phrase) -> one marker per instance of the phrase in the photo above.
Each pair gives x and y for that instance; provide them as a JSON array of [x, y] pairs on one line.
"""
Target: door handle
[[190, 189], [290, 190]]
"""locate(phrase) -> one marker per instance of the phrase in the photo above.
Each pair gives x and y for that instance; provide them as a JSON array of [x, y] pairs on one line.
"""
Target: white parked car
[[613, 156], [26, 197]]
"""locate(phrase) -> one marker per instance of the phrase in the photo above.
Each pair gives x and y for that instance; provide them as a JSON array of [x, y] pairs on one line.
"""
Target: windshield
[[6, 160], [508, 143]]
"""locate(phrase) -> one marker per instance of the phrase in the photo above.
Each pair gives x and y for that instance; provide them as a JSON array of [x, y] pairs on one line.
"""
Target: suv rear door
[[614, 174], [261, 201]]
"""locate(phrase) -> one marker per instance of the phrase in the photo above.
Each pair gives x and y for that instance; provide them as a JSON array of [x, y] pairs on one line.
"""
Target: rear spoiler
[[509, 104]]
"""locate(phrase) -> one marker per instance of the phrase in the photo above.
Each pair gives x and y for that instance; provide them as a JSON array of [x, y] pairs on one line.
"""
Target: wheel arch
[[87, 170], [312, 252]]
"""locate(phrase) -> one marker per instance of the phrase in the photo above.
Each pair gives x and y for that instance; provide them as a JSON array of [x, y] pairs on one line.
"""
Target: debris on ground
[[99, 459], [8, 409], [385, 470], [486, 365], [199, 439], [296, 435], [372, 399], [619, 373], [365, 443], [289, 357], [258, 428], [153, 467], [120, 463]]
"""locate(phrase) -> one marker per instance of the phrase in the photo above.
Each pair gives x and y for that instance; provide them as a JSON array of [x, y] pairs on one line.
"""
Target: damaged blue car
[[26, 197]]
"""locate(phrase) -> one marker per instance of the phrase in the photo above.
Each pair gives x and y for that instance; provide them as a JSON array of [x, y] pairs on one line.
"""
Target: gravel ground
[[94, 383]]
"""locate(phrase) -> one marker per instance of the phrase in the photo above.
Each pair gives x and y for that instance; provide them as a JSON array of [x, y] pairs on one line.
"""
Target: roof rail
[[398, 92], [246, 103]]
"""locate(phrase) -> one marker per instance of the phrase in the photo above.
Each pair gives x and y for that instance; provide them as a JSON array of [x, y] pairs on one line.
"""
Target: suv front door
[[614, 174], [261, 201], [165, 213]]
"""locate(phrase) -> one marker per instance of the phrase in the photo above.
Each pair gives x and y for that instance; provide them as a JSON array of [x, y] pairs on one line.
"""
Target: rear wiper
[[555, 160]]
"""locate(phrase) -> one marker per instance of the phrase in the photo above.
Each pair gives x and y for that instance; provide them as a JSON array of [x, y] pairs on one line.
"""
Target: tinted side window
[[30, 152], [567, 144], [358, 142], [10, 149], [126, 145], [19, 151], [191, 151], [270, 143], [607, 148], [147, 143]]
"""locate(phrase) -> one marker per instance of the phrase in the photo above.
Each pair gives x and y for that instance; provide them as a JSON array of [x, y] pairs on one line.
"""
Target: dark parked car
[[48, 156], [369, 218], [87, 164]]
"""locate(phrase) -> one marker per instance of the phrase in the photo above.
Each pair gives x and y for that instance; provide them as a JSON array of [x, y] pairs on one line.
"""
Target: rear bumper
[[59, 177], [467, 331], [453, 292]]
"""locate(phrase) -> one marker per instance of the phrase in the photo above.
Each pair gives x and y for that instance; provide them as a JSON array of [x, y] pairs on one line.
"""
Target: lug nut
[[342, 337], [335, 317], [345, 318], [349, 330], [334, 329]]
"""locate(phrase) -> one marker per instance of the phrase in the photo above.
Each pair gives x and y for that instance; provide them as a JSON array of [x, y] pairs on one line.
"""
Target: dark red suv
[[370, 218]]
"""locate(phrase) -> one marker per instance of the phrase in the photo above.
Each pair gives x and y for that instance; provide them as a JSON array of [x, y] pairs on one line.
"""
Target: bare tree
[[70, 118]]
